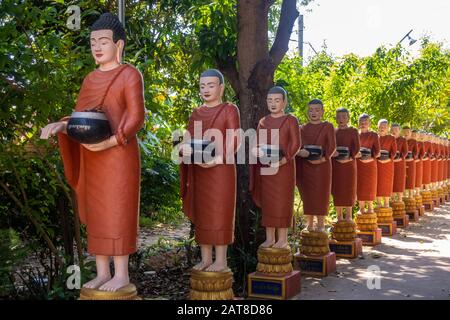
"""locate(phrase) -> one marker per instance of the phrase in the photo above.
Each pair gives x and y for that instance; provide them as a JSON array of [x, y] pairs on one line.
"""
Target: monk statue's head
[[342, 117], [212, 86], [414, 134], [364, 122], [395, 130], [315, 111], [383, 127], [276, 100], [407, 132], [107, 39]]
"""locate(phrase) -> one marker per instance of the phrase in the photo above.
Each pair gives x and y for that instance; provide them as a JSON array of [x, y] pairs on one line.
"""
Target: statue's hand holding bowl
[[52, 129], [335, 154], [214, 162], [344, 160], [303, 153], [257, 152], [366, 160], [278, 164], [104, 145]]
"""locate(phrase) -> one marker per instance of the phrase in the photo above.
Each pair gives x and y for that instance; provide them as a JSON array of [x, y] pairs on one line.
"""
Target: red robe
[[434, 165], [344, 174], [385, 171], [411, 165], [274, 193], [419, 164], [209, 194], [107, 183], [367, 172], [427, 163], [314, 180], [440, 176], [400, 166]]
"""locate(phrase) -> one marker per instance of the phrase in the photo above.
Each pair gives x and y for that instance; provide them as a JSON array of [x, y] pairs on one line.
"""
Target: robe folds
[[400, 166], [107, 183], [419, 164], [273, 190], [209, 194], [434, 162], [314, 180], [426, 169], [367, 172], [411, 165], [385, 171], [343, 175]]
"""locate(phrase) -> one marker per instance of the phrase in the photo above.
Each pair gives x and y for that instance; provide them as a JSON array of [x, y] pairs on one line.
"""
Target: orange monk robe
[[400, 166], [419, 164], [440, 176], [448, 162], [385, 171], [411, 165], [209, 194], [434, 165], [427, 163], [314, 180], [344, 174], [107, 183], [367, 172], [274, 193]]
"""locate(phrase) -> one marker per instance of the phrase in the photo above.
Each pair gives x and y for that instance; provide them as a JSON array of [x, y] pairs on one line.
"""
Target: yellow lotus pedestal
[[411, 209], [315, 257], [345, 243], [427, 200], [399, 214], [386, 221], [126, 293], [367, 229], [419, 204], [274, 277], [209, 285]]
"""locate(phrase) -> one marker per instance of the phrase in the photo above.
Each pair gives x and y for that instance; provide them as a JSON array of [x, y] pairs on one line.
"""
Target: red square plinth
[[429, 206], [266, 286], [402, 222], [388, 229], [370, 238], [413, 215], [320, 266], [346, 249]]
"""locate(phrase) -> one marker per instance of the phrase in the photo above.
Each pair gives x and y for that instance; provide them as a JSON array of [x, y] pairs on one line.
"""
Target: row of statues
[[320, 160]]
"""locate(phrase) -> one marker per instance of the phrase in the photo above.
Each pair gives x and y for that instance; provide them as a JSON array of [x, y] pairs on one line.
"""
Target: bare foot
[[280, 244], [216, 267], [97, 282], [115, 284], [202, 265], [267, 244]]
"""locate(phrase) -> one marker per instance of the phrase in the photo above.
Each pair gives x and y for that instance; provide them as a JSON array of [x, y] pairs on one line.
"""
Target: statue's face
[[395, 131], [103, 48], [414, 135], [364, 124], [383, 128], [315, 112], [342, 118], [276, 102], [407, 133], [211, 89]]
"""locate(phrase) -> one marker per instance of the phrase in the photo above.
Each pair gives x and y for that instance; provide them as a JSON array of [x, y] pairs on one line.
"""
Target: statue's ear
[[222, 89], [120, 46]]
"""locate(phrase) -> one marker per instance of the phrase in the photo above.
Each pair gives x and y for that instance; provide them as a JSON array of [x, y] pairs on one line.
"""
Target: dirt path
[[414, 264]]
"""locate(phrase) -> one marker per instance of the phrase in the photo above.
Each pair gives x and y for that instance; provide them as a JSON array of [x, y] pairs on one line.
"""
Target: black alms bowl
[[344, 153], [202, 151], [88, 127], [366, 153], [315, 152], [384, 155], [271, 153]]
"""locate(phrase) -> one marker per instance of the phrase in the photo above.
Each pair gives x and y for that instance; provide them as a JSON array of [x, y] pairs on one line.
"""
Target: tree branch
[[229, 69], [288, 16]]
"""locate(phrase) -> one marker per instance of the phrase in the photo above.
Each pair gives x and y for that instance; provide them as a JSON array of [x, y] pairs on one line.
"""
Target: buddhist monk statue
[[426, 164], [106, 175], [385, 164], [208, 189], [344, 166], [410, 162], [366, 165], [273, 190], [314, 165], [399, 163]]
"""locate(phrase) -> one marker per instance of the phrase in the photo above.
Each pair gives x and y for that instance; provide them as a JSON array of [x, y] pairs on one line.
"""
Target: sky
[[361, 26]]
